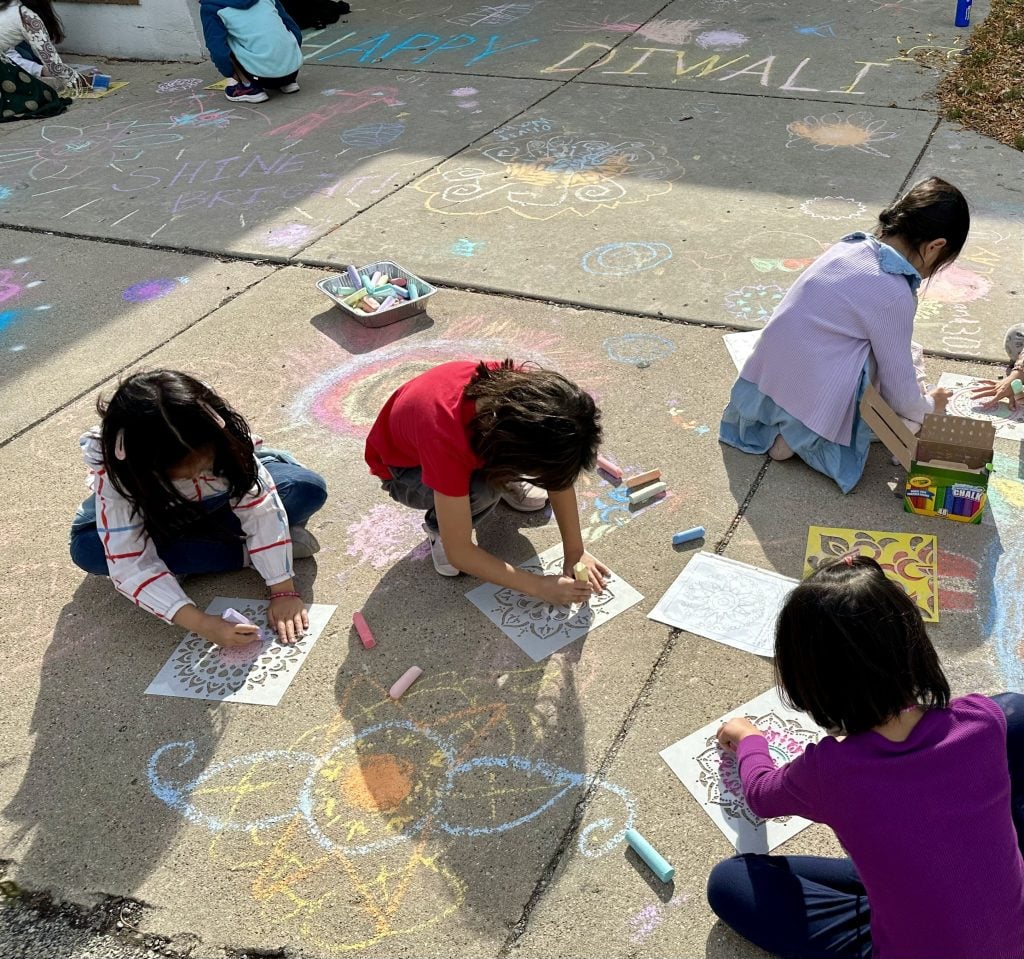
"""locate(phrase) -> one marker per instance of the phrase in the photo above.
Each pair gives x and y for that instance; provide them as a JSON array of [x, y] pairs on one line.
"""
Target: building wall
[[148, 30]]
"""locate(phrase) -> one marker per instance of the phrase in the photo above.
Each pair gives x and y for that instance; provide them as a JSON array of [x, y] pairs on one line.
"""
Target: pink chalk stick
[[234, 616], [408, 678], [610, 468], [363, 629]]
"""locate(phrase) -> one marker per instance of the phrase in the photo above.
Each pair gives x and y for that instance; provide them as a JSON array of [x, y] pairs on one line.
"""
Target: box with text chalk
[[948, 463]]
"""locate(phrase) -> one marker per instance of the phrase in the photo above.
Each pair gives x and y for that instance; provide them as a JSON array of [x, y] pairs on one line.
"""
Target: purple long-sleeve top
[[926, 822], [857, 298]]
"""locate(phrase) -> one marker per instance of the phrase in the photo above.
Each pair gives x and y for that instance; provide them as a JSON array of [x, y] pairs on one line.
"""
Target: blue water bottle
[[963, 13]]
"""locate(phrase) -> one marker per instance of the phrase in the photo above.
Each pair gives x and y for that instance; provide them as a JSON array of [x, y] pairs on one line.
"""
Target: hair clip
[[848, 558], [119, 445], [213, 414]]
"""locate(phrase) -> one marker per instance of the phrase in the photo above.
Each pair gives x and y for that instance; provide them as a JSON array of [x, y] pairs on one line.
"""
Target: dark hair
[[930, 210], [532, 424], [154, 420], [44, 10], [851, 649]]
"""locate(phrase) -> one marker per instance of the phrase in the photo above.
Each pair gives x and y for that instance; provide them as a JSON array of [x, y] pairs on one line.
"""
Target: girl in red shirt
[[457, 439]]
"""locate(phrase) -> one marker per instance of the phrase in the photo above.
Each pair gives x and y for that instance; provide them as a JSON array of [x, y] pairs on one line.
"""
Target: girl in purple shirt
[[848, 320], [925, 793]]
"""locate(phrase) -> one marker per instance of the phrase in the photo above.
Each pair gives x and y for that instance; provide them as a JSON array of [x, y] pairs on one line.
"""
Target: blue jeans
[[216, 545], [809, 907], [408, 488]]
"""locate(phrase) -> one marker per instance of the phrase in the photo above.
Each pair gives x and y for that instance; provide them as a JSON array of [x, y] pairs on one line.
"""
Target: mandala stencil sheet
[[741, 345], [909, 559], [258, 673], [540, 629], [1009, 423], [712, 776], [730, 602]]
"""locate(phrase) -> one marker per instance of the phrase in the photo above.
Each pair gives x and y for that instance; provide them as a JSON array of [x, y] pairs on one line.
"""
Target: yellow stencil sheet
[[221, 84], [91, 94], [909, 559]]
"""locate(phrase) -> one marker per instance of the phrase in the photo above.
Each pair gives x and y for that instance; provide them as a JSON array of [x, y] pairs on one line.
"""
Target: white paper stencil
[[727, 601], [540, 629], [741, 345], [1009, 423], [258, 673], [712, 774]]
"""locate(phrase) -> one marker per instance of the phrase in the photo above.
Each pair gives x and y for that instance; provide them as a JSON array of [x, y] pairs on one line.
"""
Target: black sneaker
[[246, 93]]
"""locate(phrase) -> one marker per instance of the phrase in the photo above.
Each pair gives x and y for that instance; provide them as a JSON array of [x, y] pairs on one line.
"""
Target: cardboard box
[[948, 463]]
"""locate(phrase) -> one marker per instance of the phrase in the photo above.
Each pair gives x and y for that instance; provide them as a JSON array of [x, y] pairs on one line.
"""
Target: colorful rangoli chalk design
[[910, 559]]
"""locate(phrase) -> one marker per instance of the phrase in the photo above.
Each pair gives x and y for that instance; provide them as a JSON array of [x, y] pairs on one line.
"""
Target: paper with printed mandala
[[712, 776], [258, 673], [907, 558], [727, 601], [540, 629]]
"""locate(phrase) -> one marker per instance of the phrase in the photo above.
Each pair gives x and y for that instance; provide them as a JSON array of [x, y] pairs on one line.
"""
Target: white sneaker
[[438, 555], [524, 497], [304, 543], [289, 88]]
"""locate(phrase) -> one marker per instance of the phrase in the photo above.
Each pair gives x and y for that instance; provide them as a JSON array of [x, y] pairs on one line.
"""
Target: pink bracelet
[[274, 596]]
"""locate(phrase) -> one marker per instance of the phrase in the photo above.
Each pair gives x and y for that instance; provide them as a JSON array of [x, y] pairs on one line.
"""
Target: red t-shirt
[[426, 423]]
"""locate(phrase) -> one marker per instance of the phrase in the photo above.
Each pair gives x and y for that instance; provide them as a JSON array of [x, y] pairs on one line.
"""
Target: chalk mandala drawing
[[604, 507], [68, 151], [541, 178], [494, 15], [372, 134], [638, 348], [719, 772], [387, 534], [347, 399], [1009, 423], [294, 234], [908, 559], [833, 208], [623, 259], [522, 616], [754, 304], [722, 39], [858, 131], [180, 85], [353, 834], [152, 289], [955, 284]]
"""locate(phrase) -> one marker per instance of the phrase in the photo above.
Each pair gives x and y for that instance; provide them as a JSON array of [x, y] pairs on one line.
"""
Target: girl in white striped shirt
[[180, 487]]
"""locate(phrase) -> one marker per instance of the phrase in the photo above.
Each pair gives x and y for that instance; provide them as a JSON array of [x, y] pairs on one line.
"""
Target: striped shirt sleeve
[[136, 569], [265, 524]]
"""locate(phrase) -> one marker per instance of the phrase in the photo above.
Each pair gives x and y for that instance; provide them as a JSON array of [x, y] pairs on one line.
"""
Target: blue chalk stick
[[687, 535], [414, 291], [659, 865], [366, 282]]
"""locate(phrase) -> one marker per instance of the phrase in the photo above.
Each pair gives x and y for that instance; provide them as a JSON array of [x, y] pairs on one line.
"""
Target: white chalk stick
[[642, 495]]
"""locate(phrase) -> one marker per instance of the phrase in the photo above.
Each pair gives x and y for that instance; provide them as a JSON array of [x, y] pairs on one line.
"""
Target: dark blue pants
[[216, 547], [809, 907]]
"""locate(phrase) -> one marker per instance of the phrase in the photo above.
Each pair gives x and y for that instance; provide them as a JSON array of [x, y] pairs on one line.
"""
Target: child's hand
[[287, 615], [941, 397], [734, 732], [996, 390], [222, 633], [563, 590], [599, 573]]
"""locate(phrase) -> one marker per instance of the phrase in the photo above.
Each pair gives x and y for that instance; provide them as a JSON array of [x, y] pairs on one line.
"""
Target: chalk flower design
[[833, 208], [385, 535], [858, 131], [755, 303], [69, 151], [539, 178], [179, 85], [719, 773], [362, 817]]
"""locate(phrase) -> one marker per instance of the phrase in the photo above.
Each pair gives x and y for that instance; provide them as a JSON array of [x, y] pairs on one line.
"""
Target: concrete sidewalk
[[601, 194]]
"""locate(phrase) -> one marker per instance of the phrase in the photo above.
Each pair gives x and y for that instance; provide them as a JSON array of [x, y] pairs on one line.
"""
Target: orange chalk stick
[[649, 477]]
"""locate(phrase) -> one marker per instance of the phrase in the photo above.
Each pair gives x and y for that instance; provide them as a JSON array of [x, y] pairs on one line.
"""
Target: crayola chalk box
[[948, 463]]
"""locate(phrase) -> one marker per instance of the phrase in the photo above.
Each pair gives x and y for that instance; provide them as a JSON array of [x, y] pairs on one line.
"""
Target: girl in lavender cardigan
[[848, 320]]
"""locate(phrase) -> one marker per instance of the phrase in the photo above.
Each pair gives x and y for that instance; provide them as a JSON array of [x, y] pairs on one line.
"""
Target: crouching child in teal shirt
[[256, 43]]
